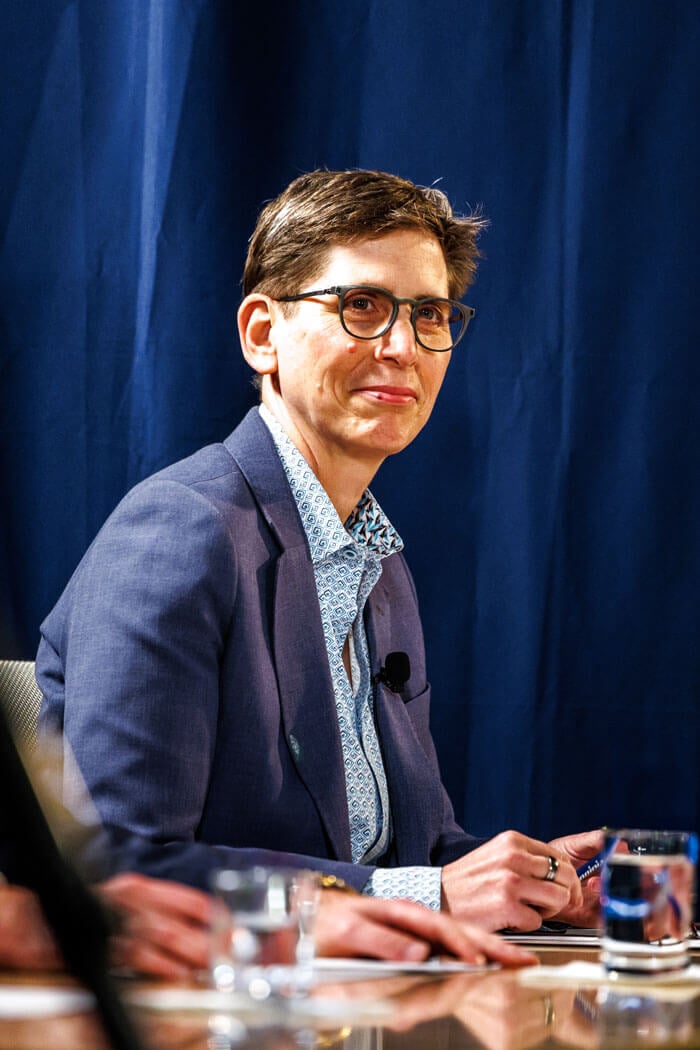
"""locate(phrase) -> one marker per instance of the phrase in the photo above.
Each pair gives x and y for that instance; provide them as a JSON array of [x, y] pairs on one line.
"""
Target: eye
[[362, 302], [432, 312], [366, 311]]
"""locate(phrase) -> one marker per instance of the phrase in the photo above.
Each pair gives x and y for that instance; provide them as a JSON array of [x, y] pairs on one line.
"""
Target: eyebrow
[[372, 284]]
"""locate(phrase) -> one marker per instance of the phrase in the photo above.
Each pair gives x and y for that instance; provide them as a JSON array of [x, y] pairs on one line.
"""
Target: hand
[[502, 883], [503, 1013], [401, 930], [165, 925], [580, 848], [25, 941], [414, 1000]]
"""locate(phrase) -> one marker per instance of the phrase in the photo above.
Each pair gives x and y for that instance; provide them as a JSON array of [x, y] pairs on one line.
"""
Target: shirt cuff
[[419, 884]]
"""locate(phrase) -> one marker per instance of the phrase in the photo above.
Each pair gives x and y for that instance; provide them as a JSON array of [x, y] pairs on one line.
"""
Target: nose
[[399, 342]]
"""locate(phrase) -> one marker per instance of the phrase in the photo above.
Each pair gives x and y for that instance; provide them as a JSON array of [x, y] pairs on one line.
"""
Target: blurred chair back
[[21, 699]]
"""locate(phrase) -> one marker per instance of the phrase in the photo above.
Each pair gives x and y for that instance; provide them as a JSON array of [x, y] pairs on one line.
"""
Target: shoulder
[[189, 505], [209, 479], [214, 484]]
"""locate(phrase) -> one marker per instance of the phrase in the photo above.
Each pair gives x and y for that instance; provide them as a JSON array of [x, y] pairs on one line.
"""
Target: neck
[[344, 477]]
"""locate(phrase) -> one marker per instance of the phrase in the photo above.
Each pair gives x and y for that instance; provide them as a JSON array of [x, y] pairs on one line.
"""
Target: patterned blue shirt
[[346, 561]]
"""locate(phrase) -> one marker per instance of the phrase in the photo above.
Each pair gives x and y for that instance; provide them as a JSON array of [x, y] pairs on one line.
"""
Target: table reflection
[[493, 1010], [631, 1016], [60, 1033]]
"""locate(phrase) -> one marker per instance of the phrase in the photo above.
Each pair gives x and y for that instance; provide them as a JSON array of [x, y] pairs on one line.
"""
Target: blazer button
[[294, 746]]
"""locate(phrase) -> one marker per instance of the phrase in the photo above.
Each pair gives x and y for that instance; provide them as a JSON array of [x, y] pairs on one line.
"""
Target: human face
[[354, 398]]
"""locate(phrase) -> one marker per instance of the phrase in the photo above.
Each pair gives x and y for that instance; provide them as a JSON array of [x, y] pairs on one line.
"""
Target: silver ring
[[552, 869]]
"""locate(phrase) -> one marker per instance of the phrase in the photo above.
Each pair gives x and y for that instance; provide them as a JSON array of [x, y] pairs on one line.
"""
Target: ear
[[255, 322]]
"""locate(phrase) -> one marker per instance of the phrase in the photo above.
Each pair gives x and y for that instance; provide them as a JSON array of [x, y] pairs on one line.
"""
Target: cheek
[[341, 360], [434, 381], [339, 351], [443, 366]]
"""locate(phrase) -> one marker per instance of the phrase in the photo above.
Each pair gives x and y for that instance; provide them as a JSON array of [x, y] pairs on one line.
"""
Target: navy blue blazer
[[185, 662]]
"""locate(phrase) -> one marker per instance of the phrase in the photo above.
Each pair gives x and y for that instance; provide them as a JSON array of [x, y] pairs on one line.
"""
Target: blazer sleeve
[[194, 862], [136, 638], [135, 643]]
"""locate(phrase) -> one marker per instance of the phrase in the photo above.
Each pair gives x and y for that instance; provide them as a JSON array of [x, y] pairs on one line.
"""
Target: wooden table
[[493, 1009]]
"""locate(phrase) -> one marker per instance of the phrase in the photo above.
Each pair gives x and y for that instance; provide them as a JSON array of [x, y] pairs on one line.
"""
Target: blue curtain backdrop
[[551, 508]]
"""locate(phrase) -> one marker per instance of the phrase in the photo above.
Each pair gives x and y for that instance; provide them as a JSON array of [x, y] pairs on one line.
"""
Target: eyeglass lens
[[438, 323]]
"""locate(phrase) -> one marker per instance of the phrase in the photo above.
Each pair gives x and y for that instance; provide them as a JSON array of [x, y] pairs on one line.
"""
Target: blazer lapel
[[416, 799], [308, 703]]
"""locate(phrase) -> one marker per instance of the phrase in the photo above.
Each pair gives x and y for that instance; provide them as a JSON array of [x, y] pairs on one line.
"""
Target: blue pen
[[592, 866]]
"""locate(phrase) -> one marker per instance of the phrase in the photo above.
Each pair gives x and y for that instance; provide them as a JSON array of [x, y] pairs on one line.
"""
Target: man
[[220, 659]]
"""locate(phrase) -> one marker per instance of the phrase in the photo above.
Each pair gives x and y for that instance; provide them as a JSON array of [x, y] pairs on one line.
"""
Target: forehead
[[410, 258]]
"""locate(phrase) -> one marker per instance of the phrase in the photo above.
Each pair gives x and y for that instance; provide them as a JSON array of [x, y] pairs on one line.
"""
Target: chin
[[384, 434], [389, 442]]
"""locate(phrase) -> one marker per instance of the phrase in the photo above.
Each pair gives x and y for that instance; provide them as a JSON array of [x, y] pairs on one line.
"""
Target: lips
[[395, 395]]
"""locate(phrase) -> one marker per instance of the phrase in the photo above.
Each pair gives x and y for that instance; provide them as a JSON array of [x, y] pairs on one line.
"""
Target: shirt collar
[[367, 525]]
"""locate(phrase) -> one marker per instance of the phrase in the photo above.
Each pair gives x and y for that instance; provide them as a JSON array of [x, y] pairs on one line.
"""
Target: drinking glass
[[647, 896], [262, 928]]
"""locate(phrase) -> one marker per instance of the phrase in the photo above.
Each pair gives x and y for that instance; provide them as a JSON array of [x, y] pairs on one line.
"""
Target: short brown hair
[[325, 208]]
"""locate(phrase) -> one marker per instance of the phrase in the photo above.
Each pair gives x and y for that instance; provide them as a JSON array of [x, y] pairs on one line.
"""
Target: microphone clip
[[395, 672]]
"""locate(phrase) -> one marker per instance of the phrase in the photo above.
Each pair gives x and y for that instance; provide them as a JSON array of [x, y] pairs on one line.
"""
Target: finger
[[442, 933], [564, 873], [466, 942], [521, 918], [182, 940], [133, 892], [567, 876], [581, 846], [387, 930], [546, 897], [382, 941], [499, 950], [183, 901], [588, 913], [526, 856], [145, 957], [424, 932], [365, 938]]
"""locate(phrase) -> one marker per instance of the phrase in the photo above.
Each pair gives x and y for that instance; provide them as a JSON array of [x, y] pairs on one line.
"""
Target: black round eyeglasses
[[367, 312]]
